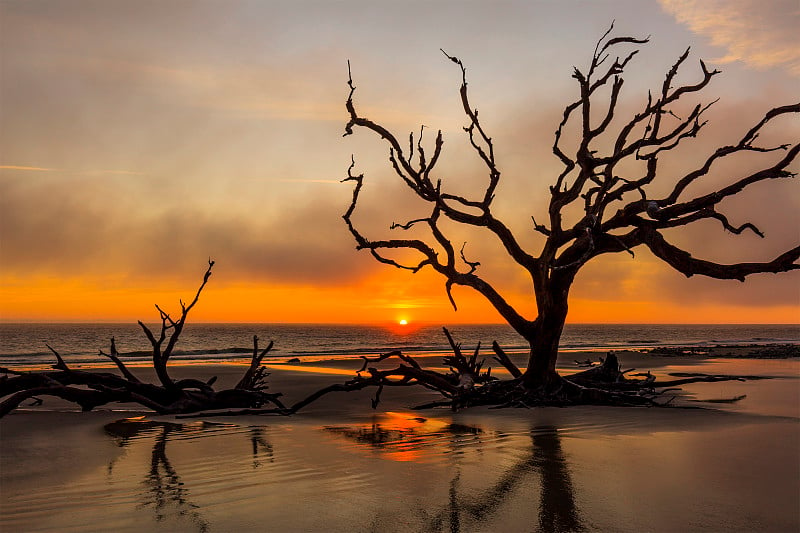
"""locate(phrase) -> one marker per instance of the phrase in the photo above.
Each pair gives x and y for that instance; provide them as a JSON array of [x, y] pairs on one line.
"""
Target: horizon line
[[385, 322]]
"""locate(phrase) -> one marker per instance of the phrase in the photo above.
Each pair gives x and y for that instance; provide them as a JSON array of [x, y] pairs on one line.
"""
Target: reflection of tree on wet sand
[[557, 509], [261, 448], [164, 492]]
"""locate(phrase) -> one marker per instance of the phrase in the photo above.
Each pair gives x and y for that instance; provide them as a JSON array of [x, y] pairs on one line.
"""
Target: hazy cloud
[[35, 169], [84, 172], [58, 227], [291, 180], [222, 129], [761, 34]]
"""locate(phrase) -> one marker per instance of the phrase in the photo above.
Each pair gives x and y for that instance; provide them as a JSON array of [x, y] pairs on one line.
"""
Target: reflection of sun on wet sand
[[340, 466], [403, 437]]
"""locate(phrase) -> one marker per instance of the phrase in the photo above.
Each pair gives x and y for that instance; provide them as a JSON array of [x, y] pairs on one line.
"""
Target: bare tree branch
[[114, 356], [687, 265], [610, 170], [90, 389]]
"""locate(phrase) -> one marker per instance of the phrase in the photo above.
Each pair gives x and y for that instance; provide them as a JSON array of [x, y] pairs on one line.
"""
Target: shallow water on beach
[[399, 472], [734, 468]]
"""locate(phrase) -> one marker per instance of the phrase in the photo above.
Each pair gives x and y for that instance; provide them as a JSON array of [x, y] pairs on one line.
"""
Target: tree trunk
[[546, 336]]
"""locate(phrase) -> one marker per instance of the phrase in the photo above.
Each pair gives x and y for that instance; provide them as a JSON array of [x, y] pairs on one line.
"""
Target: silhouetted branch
[[255, 377], [114, 356], [171, 397], [687, 265], [467, 370], [60, 364], [502, 358]]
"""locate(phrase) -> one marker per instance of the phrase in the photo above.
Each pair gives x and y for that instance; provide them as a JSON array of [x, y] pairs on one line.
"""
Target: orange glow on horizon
[[374, 300]]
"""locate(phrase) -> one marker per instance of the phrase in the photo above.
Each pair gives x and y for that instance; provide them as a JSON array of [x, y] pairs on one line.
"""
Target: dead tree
[[90, 389], [618, 211]]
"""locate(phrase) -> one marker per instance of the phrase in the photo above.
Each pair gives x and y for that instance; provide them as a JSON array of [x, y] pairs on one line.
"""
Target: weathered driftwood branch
[[255, 377], [114, 356], [604, 384], [467, 370], [90, 389], [502, 358]]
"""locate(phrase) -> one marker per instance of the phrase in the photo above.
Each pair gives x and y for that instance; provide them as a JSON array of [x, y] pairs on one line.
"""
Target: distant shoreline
[[736, 351]]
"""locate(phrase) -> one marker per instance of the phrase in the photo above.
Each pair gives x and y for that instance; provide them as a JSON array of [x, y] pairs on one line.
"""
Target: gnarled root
[[605, 384]]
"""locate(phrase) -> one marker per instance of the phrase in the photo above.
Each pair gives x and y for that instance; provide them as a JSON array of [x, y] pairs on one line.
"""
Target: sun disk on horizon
[[403, 322]]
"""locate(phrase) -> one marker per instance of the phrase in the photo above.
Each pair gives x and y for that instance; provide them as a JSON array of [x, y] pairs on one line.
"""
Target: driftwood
[[90, 389], [463, 386]]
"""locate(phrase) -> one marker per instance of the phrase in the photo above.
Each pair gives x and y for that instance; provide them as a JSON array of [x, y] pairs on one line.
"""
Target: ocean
[[24, 345]]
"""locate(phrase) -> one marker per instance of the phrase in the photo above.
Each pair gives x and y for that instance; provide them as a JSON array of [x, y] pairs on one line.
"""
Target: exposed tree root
[[462, 386], [465, 385]]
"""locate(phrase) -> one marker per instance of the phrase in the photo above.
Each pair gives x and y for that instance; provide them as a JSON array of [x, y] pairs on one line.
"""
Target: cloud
[[120, 172], [84, 172], [760, 34], [261, 92], [35, 169], [292, 180], [100, 228]]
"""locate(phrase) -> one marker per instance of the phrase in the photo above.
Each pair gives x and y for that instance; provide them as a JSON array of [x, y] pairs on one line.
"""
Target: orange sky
[[385, 298], [140, 140]]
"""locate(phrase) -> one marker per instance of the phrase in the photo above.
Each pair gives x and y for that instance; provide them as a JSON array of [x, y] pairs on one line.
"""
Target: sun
[[403, 322]]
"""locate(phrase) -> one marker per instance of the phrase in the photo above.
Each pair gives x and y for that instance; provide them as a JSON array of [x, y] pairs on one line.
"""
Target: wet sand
[[340, 466]]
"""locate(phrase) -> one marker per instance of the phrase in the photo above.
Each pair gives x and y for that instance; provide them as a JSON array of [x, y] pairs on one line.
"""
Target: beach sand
[[340, 466]]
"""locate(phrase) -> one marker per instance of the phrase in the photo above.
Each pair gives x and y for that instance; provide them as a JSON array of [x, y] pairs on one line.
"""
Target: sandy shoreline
[[297, 380], [340, 466]]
